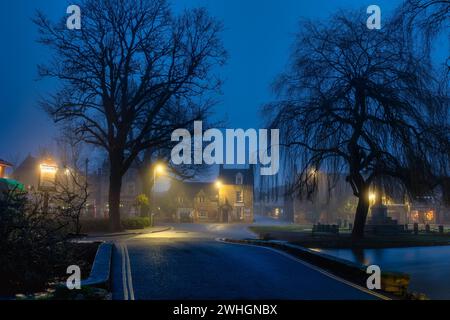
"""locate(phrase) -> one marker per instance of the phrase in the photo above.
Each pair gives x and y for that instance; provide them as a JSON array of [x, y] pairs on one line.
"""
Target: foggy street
[[187, 262]]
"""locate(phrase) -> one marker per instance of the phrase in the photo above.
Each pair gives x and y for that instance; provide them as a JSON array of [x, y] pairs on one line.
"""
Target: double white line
[[127, 280]]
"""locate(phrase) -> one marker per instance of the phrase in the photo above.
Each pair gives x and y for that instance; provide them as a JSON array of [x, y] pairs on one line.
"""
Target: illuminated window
[[429, 215], [239, 179], [239, 196]]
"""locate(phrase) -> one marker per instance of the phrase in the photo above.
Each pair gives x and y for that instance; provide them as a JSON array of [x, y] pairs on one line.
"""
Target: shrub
[[102, 225], [136, 223], [32, 243]]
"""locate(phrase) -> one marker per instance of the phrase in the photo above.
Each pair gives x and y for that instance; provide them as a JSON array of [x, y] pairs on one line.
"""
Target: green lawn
[[286, 228], [303, 236]]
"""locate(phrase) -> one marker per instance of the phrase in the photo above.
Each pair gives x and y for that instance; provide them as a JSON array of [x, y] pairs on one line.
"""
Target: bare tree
[[130, 76], [357, 102], [72, 188]]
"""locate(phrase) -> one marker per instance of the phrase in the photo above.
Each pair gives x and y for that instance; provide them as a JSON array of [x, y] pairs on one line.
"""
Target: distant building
[[99, 191], [231, 201], [27, 172], [3, 166], [236, 195], [334, 203], [275, 202]]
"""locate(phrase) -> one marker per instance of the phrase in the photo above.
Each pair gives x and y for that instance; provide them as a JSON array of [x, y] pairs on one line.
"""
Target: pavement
[[188, 262], [126, 232]]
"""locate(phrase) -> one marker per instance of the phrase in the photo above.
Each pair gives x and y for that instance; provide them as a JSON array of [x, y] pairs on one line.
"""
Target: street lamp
[[372, 198], [158, 169], [218, 185]]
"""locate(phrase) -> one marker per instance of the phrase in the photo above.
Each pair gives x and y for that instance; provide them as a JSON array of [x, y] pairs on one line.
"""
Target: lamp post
[[158, 169], [218, 185]]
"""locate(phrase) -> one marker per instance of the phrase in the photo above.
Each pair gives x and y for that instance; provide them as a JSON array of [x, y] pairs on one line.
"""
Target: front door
[[225, 215]]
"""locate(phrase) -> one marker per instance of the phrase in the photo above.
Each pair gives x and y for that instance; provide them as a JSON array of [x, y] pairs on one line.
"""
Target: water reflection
[[359, 256], [429, 267]]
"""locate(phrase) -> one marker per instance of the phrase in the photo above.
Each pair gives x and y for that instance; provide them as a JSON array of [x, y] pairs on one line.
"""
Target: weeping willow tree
[[358, 102], [423, 21]]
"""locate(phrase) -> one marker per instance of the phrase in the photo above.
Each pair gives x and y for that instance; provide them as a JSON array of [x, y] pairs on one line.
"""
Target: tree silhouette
[[130, 76], [357, 102], [423, 21]]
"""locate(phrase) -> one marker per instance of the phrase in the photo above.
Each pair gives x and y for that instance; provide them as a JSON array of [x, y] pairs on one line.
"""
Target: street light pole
[[153, 198], [159, 168], [219, 186]]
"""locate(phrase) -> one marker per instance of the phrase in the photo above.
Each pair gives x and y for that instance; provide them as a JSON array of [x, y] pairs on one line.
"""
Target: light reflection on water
[[429, 267]]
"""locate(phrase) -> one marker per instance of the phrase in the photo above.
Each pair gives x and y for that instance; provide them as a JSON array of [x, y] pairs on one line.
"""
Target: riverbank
[[300, 235]]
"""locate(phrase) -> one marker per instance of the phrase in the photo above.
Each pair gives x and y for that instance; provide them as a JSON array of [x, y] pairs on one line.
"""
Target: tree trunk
[[360, 217], [115, 187]]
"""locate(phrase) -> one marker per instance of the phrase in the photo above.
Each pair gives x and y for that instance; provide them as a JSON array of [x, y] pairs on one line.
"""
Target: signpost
[[47, 180]]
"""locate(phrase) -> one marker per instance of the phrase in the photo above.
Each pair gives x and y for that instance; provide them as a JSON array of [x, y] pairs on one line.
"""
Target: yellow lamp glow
[[160, 169], [218, 184]]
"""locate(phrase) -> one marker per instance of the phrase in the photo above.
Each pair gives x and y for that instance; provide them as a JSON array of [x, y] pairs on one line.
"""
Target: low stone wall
[[100, 275]]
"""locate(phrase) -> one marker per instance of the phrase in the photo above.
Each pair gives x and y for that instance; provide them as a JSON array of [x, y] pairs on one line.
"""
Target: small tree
[[143, 204]]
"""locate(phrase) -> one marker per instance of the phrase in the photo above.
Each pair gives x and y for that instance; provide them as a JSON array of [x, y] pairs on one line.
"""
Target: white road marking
[[332, 276], [129, 278], [124, 278]]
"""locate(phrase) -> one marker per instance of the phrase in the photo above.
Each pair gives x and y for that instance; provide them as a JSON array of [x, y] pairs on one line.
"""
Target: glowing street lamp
[[160, 169], [372, 197], [218, 184]]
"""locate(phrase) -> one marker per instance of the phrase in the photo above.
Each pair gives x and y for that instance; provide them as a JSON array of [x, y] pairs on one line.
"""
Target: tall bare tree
[[130, 76], [357, 102]]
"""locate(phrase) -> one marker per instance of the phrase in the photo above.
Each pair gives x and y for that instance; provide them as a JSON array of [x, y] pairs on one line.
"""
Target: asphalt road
[[188, 263]]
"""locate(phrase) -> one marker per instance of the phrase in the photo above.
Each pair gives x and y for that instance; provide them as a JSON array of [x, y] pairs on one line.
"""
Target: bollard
[[416, 228]]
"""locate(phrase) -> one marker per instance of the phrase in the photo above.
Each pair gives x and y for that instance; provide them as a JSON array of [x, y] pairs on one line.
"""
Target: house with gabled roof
[[229, 201]]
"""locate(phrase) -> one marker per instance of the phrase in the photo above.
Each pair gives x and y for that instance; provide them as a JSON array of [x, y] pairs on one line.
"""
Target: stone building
[[228, 199]]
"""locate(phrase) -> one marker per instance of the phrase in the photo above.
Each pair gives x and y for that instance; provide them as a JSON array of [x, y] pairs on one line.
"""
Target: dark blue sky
[[258, 36]]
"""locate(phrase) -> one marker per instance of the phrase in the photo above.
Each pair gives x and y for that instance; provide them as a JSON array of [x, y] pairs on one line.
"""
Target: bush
[[102, 225], [33, 243], [136, 223]]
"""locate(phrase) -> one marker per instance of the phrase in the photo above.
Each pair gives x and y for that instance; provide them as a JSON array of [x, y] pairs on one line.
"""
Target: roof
[[191, 189], [30, 162], [228, 176], [4, 163]]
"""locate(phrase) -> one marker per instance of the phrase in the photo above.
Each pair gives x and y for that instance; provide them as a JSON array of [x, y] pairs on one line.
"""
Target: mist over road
[[186, 262]]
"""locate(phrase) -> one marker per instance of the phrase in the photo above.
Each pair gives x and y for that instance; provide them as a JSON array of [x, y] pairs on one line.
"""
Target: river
[[429, 267]]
